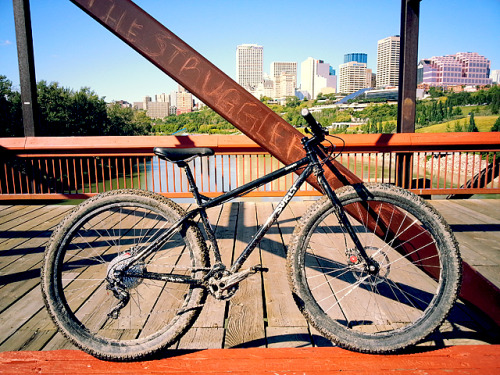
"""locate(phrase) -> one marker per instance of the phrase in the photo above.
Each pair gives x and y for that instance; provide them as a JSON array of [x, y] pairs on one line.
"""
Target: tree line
[[65, 112]]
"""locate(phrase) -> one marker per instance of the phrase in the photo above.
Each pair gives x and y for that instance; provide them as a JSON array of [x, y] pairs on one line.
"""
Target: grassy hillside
[[484, 124]]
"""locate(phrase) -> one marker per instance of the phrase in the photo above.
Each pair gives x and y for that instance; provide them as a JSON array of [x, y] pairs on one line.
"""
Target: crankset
[[224, 284]]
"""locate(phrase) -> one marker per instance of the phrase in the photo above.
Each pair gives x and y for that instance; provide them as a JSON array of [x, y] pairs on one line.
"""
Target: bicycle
[[371, 266]]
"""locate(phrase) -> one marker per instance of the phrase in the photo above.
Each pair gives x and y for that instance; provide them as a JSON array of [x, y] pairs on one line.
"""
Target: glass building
[[357, 57]]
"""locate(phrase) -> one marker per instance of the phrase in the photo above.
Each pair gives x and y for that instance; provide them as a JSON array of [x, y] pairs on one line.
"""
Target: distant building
[[249, 65], [278, 67], [316, 76], [183, 101], [354, 76], [460, 69], [284, 75], [157, 109], [121, 103], [388, 61], [495, 76], [265, 88], [358, 57]]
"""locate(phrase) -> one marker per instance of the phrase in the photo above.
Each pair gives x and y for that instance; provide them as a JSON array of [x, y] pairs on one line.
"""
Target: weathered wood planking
[[245, 321], [261, 314]]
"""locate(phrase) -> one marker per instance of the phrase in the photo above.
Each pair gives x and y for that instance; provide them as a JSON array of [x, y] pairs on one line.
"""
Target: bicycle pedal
[[259, 268]]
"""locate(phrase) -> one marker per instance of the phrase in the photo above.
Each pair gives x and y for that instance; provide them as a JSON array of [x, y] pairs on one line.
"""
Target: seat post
[[191, 181]]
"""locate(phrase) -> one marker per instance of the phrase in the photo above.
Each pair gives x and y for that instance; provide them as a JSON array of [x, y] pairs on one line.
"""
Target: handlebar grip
[[316, 128]]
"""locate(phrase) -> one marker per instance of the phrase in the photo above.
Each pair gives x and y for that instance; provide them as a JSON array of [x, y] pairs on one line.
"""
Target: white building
[[249, 65], [316, 77], [354, 76], [388, 61], [284, 75], [495, 76]]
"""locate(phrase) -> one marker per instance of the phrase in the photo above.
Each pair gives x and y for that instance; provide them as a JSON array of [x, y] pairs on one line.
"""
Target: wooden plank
[[29, 242], [479, 245], [33, 335], [245, 322], [26, 221], [14, 317], [288, 337], [12, 212], [280, 306], [489, 207]]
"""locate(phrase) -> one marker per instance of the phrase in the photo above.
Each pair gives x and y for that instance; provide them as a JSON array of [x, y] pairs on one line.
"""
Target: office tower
[[249, 65], [354, 76], [388, 61], [462, 68], [279, 67], [316, 77], [160, 107], [284, 75], [358, 57]]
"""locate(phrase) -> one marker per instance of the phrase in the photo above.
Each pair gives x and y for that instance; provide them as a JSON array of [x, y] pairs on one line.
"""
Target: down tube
[[271, 219]]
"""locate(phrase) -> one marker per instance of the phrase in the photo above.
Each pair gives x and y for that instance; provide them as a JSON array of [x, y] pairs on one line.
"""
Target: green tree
[[496, 126], [11, 124], [495, 100], [472, 124]]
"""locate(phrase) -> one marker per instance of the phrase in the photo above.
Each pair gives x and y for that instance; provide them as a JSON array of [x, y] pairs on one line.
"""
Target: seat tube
[[203, 212]]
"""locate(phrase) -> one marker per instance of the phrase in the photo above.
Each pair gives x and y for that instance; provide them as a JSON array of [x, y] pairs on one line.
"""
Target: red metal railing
[[79, 167]]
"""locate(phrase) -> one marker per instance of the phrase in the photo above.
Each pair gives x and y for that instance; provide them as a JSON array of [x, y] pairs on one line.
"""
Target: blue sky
[[74, 50]]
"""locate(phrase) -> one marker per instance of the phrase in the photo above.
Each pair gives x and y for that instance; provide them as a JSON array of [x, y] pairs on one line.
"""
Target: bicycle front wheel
[[89, 245], [417, 272]]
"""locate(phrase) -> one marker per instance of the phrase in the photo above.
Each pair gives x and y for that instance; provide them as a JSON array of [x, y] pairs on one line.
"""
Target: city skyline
[[74, 50]]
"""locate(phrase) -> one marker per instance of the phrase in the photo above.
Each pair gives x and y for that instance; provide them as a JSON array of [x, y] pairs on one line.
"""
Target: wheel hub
[[129, 281], [371, 274]]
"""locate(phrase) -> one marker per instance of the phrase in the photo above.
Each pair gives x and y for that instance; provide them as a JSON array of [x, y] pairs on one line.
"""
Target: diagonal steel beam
[[217, 90]]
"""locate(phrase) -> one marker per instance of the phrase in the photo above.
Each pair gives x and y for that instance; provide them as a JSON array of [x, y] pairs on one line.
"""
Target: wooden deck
[[262, 314]]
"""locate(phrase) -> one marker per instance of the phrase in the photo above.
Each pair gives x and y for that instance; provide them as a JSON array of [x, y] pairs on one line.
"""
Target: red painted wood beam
[[463, 359]]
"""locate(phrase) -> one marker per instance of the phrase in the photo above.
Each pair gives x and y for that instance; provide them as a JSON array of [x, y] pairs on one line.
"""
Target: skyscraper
[[354, 76], [249, 65], [316, 76], [388, 61]]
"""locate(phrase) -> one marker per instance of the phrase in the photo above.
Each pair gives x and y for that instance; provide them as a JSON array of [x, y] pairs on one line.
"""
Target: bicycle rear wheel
[[90, 242], [410, 293]]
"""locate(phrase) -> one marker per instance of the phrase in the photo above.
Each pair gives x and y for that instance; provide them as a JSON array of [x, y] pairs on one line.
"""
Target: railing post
[[26, 59], [410, 11]]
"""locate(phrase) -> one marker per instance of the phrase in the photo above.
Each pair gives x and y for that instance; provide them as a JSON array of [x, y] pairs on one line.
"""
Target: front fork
[[372, 267]]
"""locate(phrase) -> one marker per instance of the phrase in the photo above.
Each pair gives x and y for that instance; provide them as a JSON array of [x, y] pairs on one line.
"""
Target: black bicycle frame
[[311, 163]]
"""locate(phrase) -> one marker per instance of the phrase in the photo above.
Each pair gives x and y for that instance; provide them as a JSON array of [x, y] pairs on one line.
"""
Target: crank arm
[[227, 282]]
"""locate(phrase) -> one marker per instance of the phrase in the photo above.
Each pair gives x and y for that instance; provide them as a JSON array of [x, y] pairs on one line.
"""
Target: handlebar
[[316, 128]]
